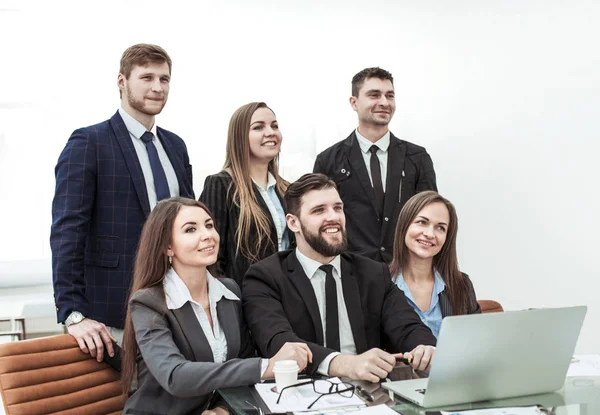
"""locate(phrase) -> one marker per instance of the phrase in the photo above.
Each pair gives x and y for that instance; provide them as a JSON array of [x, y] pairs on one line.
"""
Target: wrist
[[340, 364], [74, 318], [269, 371]]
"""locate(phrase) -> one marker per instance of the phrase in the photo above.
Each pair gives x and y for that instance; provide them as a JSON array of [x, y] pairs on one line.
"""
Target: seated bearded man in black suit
[[340, 304]]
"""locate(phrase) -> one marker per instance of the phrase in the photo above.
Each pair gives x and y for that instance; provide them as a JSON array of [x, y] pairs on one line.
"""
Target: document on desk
[[299, 398], [367, 410], [584, 365], [517, 410]]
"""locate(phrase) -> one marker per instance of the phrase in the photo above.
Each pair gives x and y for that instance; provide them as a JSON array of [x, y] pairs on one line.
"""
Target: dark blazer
[[100, 205], [409, 171], [176, 370], [280, 306], [472, 306], [219, 199]]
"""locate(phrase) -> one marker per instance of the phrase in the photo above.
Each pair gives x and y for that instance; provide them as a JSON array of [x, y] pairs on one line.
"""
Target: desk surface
[[580, 394]]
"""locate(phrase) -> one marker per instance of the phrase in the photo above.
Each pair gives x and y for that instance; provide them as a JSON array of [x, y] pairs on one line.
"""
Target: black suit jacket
[[409, 171], [219, 199], [280, 306]]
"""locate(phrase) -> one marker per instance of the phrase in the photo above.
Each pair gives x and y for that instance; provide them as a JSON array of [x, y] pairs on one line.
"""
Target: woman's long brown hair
[[252, 236], [446, 261], [151, 265]]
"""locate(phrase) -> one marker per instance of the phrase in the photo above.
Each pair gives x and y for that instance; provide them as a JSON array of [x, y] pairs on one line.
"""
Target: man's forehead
[[314, 198], [377, 84]]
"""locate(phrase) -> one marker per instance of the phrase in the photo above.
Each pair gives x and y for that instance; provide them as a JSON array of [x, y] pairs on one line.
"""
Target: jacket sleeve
[[426, 180], [267, 320], [177, 375], [400, 322], [214, 196], [72, 207], [473, 306], [318, 167]]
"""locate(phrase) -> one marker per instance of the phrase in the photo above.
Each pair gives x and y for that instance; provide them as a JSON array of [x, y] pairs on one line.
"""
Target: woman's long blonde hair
[[252, 220]]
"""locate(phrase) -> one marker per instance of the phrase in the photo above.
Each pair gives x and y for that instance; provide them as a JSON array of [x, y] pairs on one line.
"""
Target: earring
[[170, 260]]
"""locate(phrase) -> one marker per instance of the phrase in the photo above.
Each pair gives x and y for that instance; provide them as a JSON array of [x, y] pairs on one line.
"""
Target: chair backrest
[[52, 375], [490, 306]]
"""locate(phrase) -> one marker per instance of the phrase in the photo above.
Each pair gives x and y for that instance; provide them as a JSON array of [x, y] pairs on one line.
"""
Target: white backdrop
[[505, 95]]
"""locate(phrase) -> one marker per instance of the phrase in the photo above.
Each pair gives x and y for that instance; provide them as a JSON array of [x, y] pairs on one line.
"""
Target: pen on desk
[[364, 393]]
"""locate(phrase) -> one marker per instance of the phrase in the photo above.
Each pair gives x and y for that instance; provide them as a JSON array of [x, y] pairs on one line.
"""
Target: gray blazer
[[176, 370]]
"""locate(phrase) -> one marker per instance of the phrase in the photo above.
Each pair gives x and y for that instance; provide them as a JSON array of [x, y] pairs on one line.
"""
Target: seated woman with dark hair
[[184, 327], [425, 264]]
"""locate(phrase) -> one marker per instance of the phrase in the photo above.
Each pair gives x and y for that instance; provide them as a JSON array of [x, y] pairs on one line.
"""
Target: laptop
[[497, 355]]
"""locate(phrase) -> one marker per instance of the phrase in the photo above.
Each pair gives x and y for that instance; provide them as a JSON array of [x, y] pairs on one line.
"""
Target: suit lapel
[[353, 305], [395, 166], [227, 314], [305, 288], [356, 160], [193, 332], [176, 162], [131, 160]]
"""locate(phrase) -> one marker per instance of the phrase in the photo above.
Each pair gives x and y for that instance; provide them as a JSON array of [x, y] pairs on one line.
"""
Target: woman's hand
[[219, 410], [290, 351]]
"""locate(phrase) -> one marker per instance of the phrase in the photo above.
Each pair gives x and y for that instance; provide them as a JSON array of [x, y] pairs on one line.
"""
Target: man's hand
[[420, 357], [290, 351], [92, 337], [219, 410], [372, 365]]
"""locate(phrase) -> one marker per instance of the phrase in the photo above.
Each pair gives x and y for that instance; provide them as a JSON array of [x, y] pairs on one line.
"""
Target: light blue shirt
[[432, 318], [276, 209]]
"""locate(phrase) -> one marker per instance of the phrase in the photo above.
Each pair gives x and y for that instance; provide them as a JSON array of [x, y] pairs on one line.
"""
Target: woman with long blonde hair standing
[[246, 197]]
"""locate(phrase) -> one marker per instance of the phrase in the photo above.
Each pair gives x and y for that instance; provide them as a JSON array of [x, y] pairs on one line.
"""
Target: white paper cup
[[286, 373]]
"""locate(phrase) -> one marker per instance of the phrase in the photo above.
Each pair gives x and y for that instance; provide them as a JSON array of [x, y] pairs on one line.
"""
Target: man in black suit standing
[[338, 303], [376, 173]]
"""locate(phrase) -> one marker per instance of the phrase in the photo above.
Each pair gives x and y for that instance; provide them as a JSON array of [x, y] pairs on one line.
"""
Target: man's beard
[[139, 106], [321, 246]]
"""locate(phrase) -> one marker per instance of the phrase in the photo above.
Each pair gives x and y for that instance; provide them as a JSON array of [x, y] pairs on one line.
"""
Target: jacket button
[[386, 219], [343, 170], [382, 249]]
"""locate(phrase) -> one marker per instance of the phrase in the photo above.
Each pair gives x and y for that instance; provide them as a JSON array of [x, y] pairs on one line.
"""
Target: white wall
[[505, 95]]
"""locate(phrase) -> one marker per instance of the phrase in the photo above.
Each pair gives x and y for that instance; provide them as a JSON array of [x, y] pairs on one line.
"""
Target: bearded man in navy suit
[[108, 178]]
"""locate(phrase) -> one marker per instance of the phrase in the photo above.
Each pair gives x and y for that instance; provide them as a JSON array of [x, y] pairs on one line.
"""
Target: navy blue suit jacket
[[100, 205]]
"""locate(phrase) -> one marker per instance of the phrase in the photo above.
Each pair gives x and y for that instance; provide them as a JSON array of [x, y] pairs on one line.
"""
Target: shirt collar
[[383, 143], [177, 293], [311, 266], [135, 127], [438, 282], [270, 181]]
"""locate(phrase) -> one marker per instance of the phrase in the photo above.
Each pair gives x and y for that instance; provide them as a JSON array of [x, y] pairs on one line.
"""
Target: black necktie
[[160, 179], [332, 325], [377, 183]]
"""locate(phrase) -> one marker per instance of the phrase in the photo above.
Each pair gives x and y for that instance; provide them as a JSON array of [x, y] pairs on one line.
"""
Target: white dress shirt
[[177, 294], [136, 130], [317, 279], [382, 154]]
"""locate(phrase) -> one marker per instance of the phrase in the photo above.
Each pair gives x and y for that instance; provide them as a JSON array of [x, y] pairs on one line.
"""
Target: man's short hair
[[305, 184], [141, 55], [359, 79]]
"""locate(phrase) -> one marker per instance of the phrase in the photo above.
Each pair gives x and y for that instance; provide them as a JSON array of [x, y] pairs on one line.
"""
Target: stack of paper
[[299, 398]]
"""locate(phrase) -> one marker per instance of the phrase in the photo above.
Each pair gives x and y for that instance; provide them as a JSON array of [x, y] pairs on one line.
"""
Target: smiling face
[[264, 136], [146, 90], [427, 232], [321, 226], [375, 103], [195, 241]]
